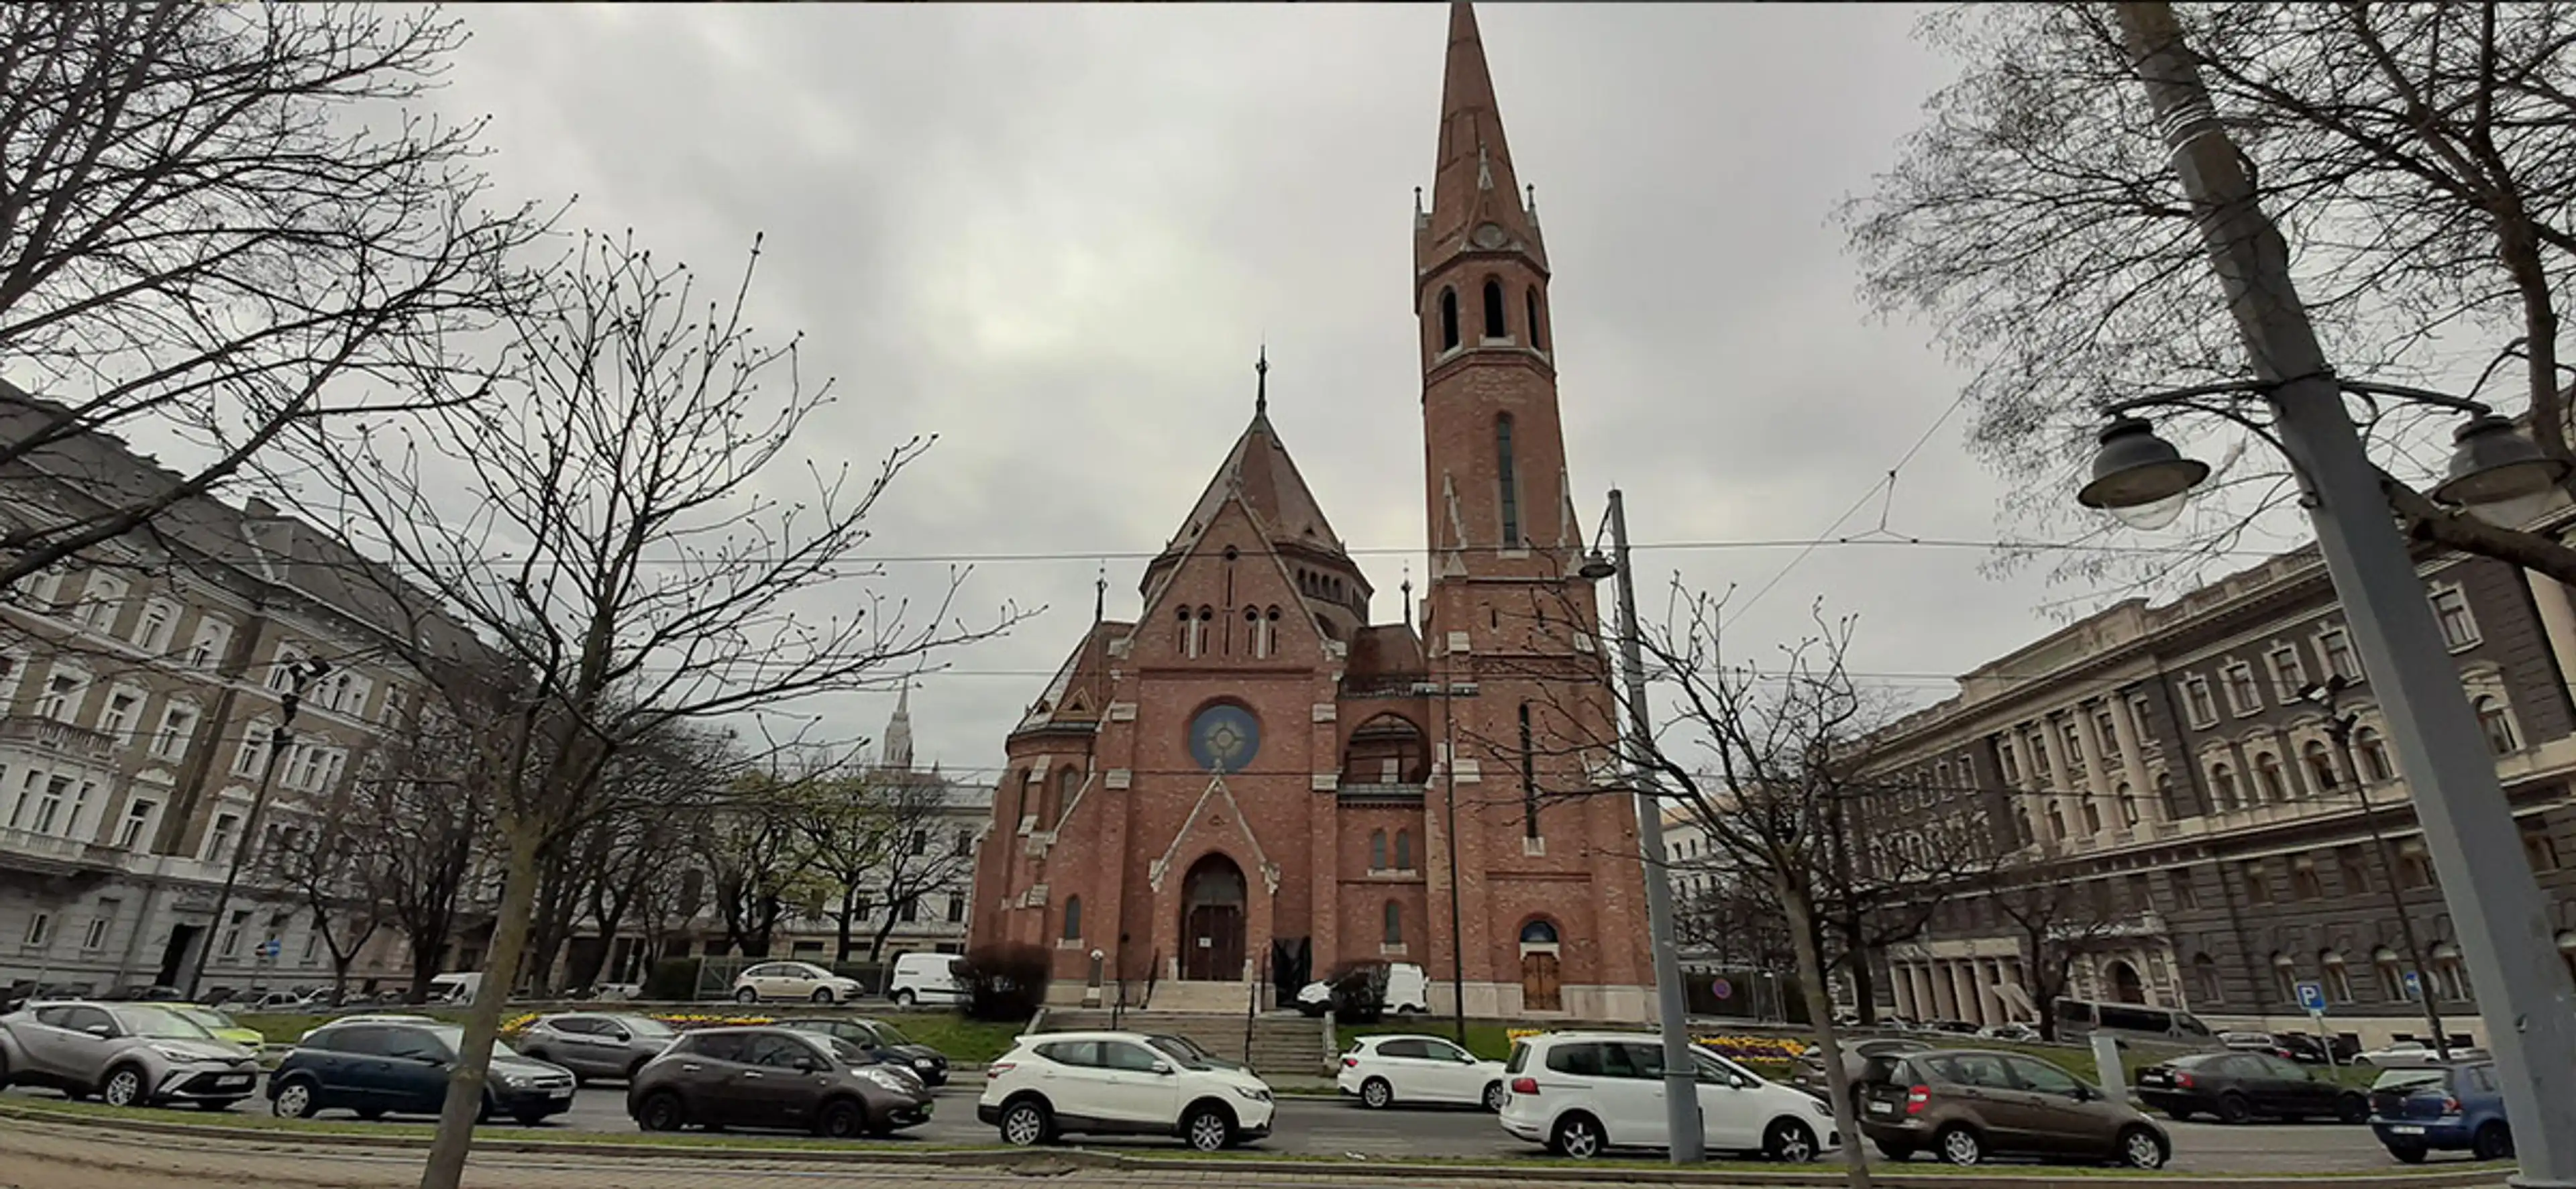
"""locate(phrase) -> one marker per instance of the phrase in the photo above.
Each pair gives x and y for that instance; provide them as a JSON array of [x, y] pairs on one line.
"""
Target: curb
[[1051, 1161]]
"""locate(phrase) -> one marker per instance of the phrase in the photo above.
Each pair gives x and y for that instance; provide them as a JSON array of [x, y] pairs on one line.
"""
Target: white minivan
[[1583, 1093], [455, 987], [923, 978]]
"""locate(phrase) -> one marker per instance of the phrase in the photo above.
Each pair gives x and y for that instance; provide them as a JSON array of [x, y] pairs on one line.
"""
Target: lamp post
[[1449, 836], [1681, 1072], [2524, 994], [303, 674], [2340, 724]]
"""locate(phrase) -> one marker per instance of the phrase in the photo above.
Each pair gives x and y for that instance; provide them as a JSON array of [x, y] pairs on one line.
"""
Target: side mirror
[[808, 1065], [1740, 1082], [2084, 1093], [101, 1031], [1163, 1067]]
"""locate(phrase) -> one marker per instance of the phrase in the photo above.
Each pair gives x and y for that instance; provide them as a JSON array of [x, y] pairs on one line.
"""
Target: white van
[[924, 978], [459, 987], [1408, 992]]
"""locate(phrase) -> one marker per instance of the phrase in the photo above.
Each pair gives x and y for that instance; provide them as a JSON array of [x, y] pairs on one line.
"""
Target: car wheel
[[1027, 1123], [2232, 1108], [822, 994], [123, 1087], [746, 995], [295, 1100], [1960, 1145], [1577, 1137], [2492, 1142], [661, 1111], [842, 1118], [904, 998], [1375, 1094], [1894, 1150], [1209, 1129], [2407, 1153], [2352, 1108], [1789, 1141], [2140, 1148], [1497, 1096]]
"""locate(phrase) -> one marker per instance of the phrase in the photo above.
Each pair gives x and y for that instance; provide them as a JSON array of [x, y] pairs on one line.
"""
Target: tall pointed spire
[[1475, 184], [898, 736], [1100, 593], [1261, 386]]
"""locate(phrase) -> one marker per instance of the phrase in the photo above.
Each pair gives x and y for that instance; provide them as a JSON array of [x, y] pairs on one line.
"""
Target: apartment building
[[2182, 827], [139, 691]]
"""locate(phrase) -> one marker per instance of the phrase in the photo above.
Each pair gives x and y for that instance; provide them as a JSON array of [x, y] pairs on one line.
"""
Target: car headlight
[[508, 1079], [887, 1079], [1819, 1106], [1255, 1093], [923, 1063], [183, 1056]]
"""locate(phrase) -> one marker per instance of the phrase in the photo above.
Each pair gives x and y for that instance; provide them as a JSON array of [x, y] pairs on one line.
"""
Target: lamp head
[[2138, 477], [2493, 466], [1596, 566]]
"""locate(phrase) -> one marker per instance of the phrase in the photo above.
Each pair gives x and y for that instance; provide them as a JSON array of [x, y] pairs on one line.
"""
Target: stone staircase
[[1284, 1044]]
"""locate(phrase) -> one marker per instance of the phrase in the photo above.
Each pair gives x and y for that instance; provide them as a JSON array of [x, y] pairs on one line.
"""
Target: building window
[[2539, 847], [1377, 850], [1404, 850], [40, 930], [956, 908], [2106, 733], [2074, 739], [2222, 786], [2335, 645], [1537, 341], [2197, 701], [100, 599], [1448, 319], [2304, 884], [2288, 675], [152, 632], [2414, 868], [2498, 725], [2092, 815], [2392, 975], [1068, 781], [2354, 874], [207, 650], [2186, 893], [2321, 768], [2128, 806], [2449, 974], [2006, 760], [2258, 884], [219, 839], [2039, 762], [2165, 797], [964, 843], [1509, 480], [1529, 779], [2243, 696], [2338, 980], [1394, 923], [2269, 778], [118, 718], [1072, 918], [2374, 755], [1494, 328], [282, 671], [178, 728], [62, 697], [911, 910], [233, 934], [2285, 977], [2204, 980], [138, 819], [94, 938], [2451, 608]]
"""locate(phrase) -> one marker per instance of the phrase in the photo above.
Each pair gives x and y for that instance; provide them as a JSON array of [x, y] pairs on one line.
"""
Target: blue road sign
[[2414, 986], [268, 948], [1722, 989], [2312, 996]]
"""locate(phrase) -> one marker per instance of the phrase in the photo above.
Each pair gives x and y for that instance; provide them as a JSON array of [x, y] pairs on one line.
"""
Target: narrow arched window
[[1507, 476], [1448, 319], [1494, 328], [1404, 850], [1394, 923], [1073, 918], [1182, 642], [1377, 850], [1537, 340], [1529, 779], [1252, 632]]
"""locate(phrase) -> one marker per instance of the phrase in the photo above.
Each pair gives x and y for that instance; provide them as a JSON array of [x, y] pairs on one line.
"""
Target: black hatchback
[[393, 1068], [883, 1043], [2235, 1086]]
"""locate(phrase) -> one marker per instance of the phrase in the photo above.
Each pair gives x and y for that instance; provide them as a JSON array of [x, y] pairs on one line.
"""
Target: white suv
[[1582, 1093], [794, 980], [1118, 1083]]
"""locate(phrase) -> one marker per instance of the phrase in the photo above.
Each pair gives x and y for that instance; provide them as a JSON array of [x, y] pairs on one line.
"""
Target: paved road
[[1308, 1126]]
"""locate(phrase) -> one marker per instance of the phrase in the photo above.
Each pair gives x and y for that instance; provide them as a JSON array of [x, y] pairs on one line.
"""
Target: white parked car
[[1106, 1083], [1382, 1071], [923, 978], [2415, 1052], [793, 980], [1583, 1093], [1408, 992]]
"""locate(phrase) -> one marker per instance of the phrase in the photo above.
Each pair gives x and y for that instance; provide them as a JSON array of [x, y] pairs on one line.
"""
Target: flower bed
[[1741, 1048], [683, 1021]]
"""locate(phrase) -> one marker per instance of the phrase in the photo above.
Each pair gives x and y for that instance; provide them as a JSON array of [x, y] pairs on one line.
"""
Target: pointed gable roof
[[1258, 469], [1475, 183]]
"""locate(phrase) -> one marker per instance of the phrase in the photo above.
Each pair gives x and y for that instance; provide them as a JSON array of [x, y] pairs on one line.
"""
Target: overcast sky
[[1056, 235]]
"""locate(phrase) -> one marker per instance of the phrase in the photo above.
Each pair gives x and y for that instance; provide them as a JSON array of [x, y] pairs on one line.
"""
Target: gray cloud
[[1055, 236]]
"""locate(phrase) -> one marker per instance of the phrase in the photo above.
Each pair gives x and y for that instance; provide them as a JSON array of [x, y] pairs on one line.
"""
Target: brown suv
[[774, 1077], [1965, 1105]]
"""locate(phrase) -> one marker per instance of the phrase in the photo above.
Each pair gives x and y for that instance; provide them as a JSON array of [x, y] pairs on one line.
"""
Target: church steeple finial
[[1100, 594], [1261, 385]]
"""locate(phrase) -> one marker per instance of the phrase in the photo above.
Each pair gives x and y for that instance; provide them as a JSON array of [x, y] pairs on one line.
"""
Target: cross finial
[[1100, 593], [1261, 384]]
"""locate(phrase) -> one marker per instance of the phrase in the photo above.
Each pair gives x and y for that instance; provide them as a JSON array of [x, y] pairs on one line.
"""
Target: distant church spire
[[898, 736]]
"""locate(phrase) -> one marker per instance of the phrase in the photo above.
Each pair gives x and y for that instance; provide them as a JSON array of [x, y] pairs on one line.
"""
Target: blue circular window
[[1224, 738]]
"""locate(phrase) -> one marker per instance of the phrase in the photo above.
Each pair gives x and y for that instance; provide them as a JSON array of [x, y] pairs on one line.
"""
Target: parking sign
[[2312, 996]]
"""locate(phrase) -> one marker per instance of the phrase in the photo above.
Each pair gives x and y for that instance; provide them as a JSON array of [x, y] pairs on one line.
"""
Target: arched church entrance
[[1212, 912]]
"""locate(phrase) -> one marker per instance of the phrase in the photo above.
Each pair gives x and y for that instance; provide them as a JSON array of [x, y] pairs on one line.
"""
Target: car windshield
[[889, 1034], [454, 1038], [845, 1052], [159, 1023], [647, 1026], [2411, 1079], [207, 1018]]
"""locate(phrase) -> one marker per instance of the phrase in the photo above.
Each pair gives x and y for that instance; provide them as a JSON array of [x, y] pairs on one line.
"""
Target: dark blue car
[[2449, 1108], [387, 1068]]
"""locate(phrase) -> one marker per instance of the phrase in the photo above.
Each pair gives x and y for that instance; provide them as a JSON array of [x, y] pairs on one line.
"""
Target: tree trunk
[[1820, 1015], [877, 943], [841, 922], [447, 1154]]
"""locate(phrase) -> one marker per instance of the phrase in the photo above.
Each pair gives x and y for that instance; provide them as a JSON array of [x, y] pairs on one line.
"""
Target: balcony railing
[[1356, 791], [45, 734], [48, 850]]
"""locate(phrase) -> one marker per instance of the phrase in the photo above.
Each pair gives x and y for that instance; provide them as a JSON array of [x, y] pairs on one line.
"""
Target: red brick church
[[1250, 784]]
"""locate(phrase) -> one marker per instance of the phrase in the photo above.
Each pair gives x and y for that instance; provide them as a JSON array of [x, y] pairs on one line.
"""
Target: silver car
[[129, 1054], [596, 1045]]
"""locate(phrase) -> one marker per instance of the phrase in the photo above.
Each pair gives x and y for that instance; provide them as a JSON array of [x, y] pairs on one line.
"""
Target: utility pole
[[2523, 993], [1449, 835], [301, 675], [2340, 725], [1681, 1072]]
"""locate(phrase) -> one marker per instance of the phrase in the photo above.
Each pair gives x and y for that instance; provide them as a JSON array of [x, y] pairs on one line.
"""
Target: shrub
[[1359, 992], [672, 978], [1003, 982]]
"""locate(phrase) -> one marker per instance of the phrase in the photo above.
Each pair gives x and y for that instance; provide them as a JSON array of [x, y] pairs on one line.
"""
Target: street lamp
[[2340, 725], [299, 677], [1681, 1070]]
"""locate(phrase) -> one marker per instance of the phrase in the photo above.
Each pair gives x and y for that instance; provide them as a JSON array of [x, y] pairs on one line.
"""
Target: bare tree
[[424, 822], [928, 853], [2421, 156], [623, 527], [2056, 919], [758, 858], [220, 221], [335, 869], [850, 830]]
